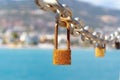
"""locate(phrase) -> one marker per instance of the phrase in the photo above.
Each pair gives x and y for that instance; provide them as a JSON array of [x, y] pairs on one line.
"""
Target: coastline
[[46, 46]]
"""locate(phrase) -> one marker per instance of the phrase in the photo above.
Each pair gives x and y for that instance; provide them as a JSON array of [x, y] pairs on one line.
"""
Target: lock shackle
[[56, 36]]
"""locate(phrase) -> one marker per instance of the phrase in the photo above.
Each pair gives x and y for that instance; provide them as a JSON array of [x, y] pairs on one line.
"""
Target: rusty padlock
[[61, 56]]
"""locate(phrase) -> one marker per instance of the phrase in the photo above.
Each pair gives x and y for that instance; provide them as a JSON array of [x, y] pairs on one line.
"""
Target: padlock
[[61, 56], [100, 51], [117, 45]]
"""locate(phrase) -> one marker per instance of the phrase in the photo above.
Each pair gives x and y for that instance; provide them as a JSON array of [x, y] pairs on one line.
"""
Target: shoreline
[[46, 46]]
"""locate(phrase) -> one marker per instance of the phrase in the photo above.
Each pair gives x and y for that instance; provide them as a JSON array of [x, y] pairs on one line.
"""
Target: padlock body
[[99, 52], [62, 57]]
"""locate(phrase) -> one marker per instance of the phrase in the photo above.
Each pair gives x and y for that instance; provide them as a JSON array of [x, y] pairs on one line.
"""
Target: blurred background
[[27, 35], [22, 23]]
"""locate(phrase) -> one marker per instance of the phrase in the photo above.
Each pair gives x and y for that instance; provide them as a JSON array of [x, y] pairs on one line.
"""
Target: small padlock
[[100, 51], [62, 56], [117, 45]]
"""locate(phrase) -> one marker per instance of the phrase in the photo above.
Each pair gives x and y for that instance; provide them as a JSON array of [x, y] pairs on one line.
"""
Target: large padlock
[[100, 51], [61, 56]]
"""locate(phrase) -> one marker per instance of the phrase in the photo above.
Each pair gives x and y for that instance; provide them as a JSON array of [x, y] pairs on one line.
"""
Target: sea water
[[36, 64]]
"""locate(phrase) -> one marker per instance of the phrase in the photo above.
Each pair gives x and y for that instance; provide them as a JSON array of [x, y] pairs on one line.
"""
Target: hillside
[[26, 13]]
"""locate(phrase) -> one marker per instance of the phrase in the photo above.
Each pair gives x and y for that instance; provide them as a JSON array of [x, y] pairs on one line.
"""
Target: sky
[[114, 4]]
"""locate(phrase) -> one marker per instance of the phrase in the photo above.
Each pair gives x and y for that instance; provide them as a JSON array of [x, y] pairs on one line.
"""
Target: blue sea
[[36, 64]]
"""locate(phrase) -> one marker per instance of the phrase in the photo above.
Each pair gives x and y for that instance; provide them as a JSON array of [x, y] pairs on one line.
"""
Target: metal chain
[[77, 27]]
